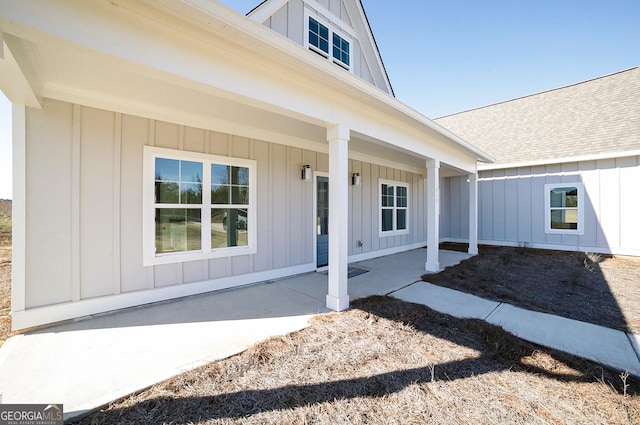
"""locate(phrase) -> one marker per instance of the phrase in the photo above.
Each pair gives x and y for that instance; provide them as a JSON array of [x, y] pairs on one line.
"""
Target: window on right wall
[[394, 208], [564, 208]]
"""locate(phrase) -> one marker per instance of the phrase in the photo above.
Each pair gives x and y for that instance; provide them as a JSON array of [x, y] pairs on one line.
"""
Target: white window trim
[[148, 208], [332, 29], [547, 209], [395, 232]]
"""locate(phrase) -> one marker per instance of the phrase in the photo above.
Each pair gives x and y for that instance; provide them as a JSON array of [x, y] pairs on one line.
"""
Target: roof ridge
[[541, 92]]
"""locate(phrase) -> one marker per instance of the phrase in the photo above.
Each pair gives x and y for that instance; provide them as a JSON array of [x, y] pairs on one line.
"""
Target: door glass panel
[[323, 207]]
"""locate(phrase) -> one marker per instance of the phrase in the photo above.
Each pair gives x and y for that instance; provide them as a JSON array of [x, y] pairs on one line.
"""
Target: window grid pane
[[401, 219], [229, 185], [564, 197], [564, 218], [393, 202], [387, 219], [180, 220], [340, 49], [387, 195], [178, 230], [178, 182], [564, 208], [402, 196], [229, 227], [318, 35]]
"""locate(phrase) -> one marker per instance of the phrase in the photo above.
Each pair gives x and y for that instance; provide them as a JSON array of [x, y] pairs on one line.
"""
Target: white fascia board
[[283, 56], [261, 13], [13, 80], [372, 94], [556, 247], [551, 161]]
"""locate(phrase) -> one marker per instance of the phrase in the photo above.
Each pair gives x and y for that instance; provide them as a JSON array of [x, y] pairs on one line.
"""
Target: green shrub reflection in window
[[178, 182], [178, 230], [229, 227], [229, 185]]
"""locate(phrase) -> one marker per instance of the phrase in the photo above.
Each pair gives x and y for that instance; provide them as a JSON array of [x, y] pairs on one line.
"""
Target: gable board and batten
[[585, 136], [201, 88], [290, 18]]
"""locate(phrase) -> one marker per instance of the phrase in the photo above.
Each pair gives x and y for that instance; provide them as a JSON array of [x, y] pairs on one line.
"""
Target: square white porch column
[[19, 208], [338, 137], [473, 214], [433, 215]]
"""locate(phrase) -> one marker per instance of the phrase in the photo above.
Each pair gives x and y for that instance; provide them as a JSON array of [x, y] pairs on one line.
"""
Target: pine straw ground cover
[[593, 288], [386, 361]]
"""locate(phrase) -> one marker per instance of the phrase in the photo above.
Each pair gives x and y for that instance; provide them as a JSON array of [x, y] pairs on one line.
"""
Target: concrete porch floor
[[86, 364]]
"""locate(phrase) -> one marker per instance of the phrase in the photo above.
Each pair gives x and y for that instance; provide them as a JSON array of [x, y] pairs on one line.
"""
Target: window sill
[[393, 233]]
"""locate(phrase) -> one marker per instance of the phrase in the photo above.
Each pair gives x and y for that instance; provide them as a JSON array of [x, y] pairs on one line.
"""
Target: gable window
[[340, 49], [564, 208], [197, 206], [393, 208], [321, 37], [318, 36]]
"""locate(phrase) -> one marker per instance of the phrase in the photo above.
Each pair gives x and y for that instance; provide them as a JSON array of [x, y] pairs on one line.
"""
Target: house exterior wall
[[84, 211], [289, 21], [512, 206]]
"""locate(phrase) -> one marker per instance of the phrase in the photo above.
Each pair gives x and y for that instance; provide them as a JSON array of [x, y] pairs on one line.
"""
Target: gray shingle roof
[[593, 117]]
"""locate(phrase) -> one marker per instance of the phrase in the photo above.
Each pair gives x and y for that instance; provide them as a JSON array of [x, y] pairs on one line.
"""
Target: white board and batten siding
[[512, 206], [289, 21], [84, 188]]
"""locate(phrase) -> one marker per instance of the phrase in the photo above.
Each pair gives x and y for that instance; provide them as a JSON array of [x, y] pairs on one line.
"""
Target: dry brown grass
[[387, 362], [599, 289], [5, 278]]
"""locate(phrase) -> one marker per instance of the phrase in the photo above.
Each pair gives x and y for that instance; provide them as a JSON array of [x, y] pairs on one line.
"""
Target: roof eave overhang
[[289, 52], [563, 160], [200, 17]]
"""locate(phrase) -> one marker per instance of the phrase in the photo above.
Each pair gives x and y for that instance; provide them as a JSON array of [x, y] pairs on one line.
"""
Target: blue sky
[[445, 56]]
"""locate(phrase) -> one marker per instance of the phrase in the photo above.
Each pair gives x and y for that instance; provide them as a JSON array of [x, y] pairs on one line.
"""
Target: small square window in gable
[[328, 41], [340, 49], [318, 36]]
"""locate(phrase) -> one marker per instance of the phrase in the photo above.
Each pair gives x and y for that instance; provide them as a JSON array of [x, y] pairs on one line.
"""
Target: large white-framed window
[[327, 41], [197, 206], [394, 208], [564, 208]]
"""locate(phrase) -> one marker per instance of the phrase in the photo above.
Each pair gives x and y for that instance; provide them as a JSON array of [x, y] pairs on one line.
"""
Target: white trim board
[[558, 247], [593, 157], [384, 252], [49, 315]]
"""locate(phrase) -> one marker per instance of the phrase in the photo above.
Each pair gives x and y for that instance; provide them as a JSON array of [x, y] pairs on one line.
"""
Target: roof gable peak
[[345, 18]]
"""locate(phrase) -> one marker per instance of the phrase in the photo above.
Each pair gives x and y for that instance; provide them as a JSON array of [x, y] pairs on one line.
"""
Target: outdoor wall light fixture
[[306, 173], [356, 180]]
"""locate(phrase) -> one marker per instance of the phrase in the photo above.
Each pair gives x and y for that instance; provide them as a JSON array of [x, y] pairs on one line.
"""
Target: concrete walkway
[[89, 363], [609, 347]]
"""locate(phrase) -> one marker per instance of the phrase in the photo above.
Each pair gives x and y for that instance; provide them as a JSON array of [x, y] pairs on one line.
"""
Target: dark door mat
[[352, 272]]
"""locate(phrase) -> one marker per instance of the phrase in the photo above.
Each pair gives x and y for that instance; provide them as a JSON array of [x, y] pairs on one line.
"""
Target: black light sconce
[[356, 179], [306, 173]]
